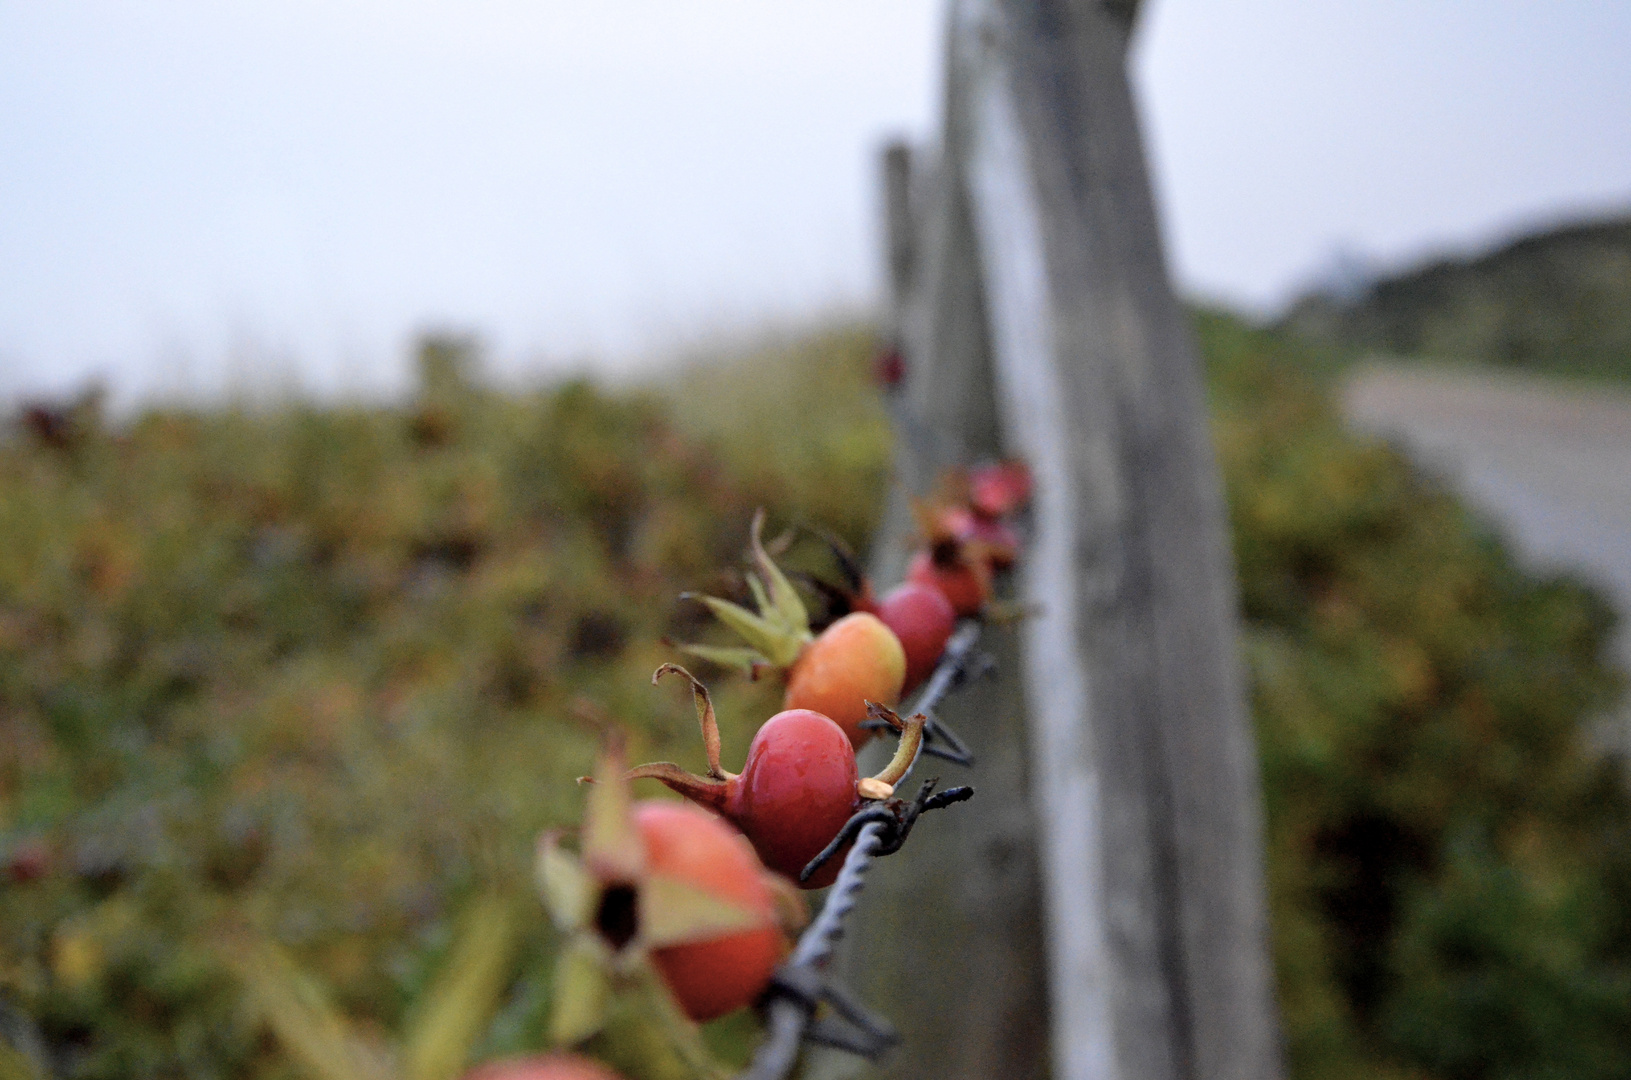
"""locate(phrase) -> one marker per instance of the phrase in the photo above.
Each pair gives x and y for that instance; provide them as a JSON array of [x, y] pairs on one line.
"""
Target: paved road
[[1551, 461]]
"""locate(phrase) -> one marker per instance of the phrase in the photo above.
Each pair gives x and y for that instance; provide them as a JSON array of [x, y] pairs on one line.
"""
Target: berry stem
[[911, 741]]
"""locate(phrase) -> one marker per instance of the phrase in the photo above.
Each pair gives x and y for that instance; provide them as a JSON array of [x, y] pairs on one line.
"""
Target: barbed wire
[[801, 985], [792, 1008], [958, 664]]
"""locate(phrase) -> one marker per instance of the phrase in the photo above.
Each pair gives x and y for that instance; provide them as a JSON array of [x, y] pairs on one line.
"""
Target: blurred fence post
[[1098, 910]]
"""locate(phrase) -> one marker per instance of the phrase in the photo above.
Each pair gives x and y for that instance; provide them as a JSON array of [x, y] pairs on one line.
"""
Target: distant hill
[[1558, 300]]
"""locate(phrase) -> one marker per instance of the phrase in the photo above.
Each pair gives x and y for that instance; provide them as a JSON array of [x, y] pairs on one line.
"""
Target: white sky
[[198, 195]]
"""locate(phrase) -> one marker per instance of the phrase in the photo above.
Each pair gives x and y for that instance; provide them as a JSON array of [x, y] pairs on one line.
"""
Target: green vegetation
[[316, 677], [1557, 301], [326, 673], [1450, 867]]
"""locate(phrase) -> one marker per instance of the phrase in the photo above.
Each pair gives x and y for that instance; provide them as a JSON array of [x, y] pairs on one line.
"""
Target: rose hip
[[995, 491], [796, 791], [855, 660], [965, 582], [923, 620], [798, 787], [713, 977]]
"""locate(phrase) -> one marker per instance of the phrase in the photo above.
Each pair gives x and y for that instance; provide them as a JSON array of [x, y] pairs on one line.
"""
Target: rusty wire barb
[[801, 985]]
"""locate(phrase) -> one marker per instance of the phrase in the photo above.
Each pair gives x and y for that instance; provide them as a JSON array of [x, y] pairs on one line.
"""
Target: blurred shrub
[[799, 424], [327, 672], [1450, 862]]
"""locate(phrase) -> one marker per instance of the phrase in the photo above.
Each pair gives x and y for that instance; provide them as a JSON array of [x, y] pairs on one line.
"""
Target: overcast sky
[[209, 194]]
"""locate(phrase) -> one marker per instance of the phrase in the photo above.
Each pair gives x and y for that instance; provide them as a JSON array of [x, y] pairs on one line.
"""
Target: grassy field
[[323, 673]]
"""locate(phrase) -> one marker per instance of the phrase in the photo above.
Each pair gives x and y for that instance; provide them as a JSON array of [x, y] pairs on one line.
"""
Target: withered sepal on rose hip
[[799, 785]]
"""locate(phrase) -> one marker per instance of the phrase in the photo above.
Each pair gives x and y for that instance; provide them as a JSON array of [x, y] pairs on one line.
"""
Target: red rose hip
[[713, 977], [798, 788], [923, 620], [963, 582]]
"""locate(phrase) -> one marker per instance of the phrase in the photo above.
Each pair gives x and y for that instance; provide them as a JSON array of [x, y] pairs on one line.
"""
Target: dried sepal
[[776, 633], [705, 716], [883, 713], [952, 487], [931, 526], [763, 636], [701, 789], [782, 600]]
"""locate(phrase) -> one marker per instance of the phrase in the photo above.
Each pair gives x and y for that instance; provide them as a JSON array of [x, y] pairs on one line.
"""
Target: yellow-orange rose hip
[[855, 660]]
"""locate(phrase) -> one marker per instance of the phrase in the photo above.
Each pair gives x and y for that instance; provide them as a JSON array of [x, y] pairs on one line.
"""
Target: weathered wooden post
[[1098, 913]]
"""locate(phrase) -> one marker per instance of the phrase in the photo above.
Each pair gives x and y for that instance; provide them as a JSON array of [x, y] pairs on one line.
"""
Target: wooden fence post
[[1102, 896]]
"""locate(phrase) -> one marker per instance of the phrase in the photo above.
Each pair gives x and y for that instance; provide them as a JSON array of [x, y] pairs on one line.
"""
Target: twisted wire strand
[[959, 647], [947, 676], [788, 1018]]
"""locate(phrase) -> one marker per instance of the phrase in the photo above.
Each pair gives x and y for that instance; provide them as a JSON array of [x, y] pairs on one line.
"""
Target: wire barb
[[896, 818], [959, 665]]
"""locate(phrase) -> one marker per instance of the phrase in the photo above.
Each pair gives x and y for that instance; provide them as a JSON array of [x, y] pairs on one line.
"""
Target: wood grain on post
[[951, 927], [1117, 830]]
